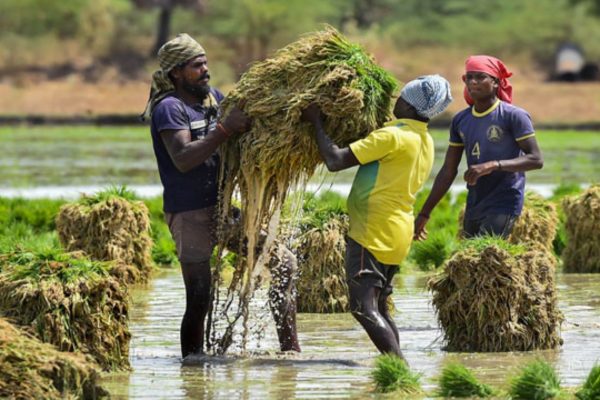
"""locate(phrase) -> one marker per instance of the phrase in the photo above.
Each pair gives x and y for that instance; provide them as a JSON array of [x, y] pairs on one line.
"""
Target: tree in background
[[163, 26]]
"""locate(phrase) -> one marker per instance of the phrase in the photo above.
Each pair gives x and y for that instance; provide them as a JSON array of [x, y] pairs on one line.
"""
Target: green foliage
[[317, 210], [52, 263], [480, 243], [38, 214], [458, 381], [118, 191], [591, 387], [536, 381], [164, 251], [392, 374], [565, 189], [432, 252]]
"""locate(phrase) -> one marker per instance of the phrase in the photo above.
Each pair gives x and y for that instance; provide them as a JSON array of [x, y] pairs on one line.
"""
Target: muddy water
[[337, 355]]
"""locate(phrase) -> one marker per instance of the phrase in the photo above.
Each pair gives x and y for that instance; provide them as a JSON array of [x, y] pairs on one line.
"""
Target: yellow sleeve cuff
[[525, 137], [456, 144]]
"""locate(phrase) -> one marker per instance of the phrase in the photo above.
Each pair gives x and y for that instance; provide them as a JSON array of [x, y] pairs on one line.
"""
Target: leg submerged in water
[[282, 297], [196, 277], [365, 307]]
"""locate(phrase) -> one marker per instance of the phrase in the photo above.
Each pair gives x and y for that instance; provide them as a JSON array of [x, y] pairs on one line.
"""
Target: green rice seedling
[[458, 381], [392, 374], [591, 387], [536, 381], [496, 296], [565, 189], [432, 252], [109, 226], [39, 214], [69, 301]]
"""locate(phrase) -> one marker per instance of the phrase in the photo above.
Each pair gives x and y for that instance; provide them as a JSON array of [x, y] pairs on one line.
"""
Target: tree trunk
[[164, 27]]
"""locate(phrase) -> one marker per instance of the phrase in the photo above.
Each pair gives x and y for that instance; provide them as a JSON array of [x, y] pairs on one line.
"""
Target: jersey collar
[[486, 112], [418, 126]]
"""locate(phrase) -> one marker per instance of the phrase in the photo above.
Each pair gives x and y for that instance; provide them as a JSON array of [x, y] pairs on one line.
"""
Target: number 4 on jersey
[[475, 151]]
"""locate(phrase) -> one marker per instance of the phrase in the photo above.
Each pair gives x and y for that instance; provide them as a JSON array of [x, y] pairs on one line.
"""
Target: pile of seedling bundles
[[110, 226], [69, 301], [30, 369], [496, 296], [280, 152], [582, 253]]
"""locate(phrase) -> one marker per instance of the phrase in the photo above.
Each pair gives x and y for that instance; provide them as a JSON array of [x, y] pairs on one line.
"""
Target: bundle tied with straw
[[495, 296], [69, 301], [582, 253], [109, 226], [279, 151], [30, 369]]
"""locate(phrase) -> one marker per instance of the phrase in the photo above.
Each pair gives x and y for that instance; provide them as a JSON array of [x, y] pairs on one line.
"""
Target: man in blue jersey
[[499, 142], [186, 133]]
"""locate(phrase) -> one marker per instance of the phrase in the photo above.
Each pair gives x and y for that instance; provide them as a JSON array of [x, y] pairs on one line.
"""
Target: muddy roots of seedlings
[[493, 296], [68, 301], [30, 369], [109, 228], [279, 152], [582, 253]]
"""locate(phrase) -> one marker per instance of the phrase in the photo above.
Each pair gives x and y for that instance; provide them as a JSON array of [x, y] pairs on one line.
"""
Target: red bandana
[[494, 67]]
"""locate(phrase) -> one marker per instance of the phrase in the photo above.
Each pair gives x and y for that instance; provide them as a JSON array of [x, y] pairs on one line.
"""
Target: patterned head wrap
[[428, 94], [491, 66], [171, 54]]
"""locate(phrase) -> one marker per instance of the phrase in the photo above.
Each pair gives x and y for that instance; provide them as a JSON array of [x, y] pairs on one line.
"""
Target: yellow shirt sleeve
[[375, 146]]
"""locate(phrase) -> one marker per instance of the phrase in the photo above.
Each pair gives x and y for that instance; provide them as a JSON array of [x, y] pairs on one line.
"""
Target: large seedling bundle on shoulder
[[109, 226], [495, 296], [30, 369], [279, 151], [537, 224], [69, 301], [582, 253]]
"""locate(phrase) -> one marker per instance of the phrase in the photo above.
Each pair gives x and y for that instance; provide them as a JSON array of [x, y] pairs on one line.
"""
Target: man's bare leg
[[196, 277]]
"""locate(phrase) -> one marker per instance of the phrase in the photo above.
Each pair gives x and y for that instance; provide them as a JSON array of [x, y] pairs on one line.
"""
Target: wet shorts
[[193, 233], [363, 269]]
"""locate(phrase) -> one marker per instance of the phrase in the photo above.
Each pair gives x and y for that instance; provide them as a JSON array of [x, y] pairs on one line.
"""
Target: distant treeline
[[79, 33]]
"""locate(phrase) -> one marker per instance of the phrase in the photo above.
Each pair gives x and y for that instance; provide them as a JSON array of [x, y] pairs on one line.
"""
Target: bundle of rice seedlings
[[30, 369], [495, 296], [69, 301], [279, 151], [537, 223], [322, 286], [582, 253], [110, 225], [458, 381], [536, 381], [392, 374], [591, 387]]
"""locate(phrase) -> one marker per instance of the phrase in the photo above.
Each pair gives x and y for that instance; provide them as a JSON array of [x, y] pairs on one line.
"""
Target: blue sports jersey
[[198, 188], [493, 135]]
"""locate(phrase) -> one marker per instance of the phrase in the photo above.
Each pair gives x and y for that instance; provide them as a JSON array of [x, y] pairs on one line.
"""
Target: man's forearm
[[197, 152], [523, 163], [327, 148], [442, 183]]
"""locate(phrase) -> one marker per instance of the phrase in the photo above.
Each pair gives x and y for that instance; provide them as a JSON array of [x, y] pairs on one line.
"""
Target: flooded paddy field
[[337, 355], [83, 156]]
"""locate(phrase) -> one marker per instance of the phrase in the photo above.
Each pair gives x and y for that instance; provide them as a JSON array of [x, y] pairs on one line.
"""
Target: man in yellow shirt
[[395, 161]]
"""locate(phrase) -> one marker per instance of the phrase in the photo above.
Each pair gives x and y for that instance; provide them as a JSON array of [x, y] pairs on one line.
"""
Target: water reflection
[[337, 355]]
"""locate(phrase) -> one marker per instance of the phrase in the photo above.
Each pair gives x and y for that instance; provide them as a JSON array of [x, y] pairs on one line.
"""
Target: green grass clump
[[591, 387], [537, 381], [433, 251], [392, 374], [458, 381], [481, 243], [120, 191]]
